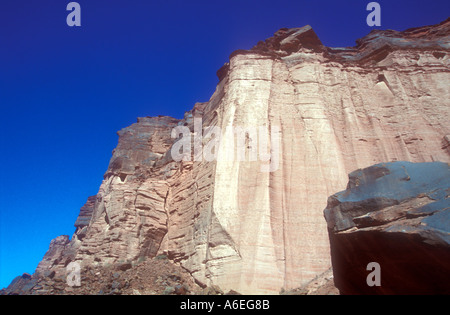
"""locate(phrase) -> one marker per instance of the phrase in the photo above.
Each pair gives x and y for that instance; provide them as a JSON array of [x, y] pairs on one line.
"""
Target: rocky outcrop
[[85, 216], [256, 225], [322, 284], [153, 276], [57, 256], [20, 285], [397, 215]]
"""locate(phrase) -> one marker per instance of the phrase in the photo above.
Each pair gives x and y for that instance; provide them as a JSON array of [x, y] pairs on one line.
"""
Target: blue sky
[[65, 92]]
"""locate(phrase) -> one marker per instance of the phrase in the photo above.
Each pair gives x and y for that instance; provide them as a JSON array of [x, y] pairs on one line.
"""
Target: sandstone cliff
[[227, 222]]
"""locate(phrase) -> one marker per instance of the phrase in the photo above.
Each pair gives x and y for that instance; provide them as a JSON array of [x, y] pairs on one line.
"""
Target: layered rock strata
[[398, 216], [228, 222]]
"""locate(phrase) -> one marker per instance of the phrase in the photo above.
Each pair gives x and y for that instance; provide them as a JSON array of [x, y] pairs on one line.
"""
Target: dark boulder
[[397, 215]]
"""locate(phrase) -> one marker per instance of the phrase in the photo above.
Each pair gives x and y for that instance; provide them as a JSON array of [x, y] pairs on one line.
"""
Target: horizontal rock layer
[[228, 222]]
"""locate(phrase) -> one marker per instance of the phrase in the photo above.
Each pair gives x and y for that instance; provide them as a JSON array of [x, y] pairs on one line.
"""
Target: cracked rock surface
[[398, 215]]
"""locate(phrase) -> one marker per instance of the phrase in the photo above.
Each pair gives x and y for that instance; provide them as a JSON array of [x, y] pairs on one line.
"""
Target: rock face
[[397, 215], [228, 222], [57, 254]]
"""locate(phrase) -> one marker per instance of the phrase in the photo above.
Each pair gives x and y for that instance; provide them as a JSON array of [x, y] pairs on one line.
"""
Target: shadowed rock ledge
[[398, 215]]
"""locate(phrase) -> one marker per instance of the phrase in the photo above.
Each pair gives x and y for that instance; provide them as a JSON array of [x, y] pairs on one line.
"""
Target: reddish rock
[[56, 255], [85, 213]]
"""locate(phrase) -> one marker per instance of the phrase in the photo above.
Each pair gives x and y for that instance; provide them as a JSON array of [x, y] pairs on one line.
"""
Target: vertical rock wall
[[230, 223]]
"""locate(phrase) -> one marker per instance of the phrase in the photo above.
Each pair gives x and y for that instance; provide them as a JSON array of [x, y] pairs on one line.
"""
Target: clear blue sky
[[65, 92]]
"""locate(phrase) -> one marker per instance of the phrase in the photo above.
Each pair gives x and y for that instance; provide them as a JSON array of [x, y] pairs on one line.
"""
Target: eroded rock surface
[[397, 215]]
